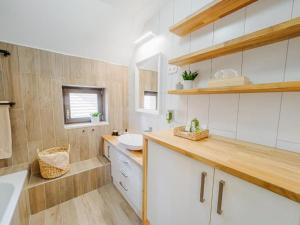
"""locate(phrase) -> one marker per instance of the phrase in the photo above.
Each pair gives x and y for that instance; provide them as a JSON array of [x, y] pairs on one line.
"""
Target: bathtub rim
[[17, 179]]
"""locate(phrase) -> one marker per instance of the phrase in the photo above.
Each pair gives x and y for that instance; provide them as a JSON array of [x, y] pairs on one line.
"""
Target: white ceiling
[[101, 29]]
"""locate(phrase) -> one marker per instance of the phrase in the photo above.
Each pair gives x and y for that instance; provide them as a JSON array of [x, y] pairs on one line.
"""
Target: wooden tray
[[194, 136]]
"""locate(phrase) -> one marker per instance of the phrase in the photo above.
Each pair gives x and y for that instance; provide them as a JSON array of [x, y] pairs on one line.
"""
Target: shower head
[[4, 53]]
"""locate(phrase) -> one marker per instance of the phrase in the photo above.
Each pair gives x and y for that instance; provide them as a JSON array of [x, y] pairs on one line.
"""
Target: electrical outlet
[[172, 69]]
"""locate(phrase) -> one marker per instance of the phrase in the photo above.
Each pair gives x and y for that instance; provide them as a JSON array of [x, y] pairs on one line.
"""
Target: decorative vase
[[188, 84], [179, 86], [95, 119]]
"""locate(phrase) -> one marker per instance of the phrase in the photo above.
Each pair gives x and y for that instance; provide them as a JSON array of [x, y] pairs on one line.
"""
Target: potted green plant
[[188, 77], [95, 117]]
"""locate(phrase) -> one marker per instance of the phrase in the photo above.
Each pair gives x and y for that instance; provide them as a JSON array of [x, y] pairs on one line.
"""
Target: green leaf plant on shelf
[[170, 116], [188, 78], [95, 117], [193, 126]]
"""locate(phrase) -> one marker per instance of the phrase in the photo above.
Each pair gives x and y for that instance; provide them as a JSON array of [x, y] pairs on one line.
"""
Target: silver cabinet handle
[[220, 197], [203, 176], [123, 173], [108, 151], [121, 184]]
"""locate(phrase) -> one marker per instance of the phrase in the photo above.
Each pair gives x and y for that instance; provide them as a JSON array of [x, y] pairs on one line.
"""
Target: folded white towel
[[58, 159], [5, 133]]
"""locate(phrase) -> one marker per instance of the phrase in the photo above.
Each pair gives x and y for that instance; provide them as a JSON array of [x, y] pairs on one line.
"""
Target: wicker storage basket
[[49, 171], [194, 136]]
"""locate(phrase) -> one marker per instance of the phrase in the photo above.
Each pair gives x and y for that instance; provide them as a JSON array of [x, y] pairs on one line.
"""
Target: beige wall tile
[[33, 79]]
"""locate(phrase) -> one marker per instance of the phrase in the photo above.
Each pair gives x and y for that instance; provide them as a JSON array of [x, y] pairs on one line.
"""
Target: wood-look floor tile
[[38, 218], [70, 215], [104, 206], [53, 216]]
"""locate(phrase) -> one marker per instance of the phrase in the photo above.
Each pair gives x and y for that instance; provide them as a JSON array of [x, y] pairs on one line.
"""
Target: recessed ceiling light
[[144, 38]]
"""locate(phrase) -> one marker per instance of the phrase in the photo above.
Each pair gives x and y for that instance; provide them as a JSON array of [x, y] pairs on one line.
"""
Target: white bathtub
[[11, 186]]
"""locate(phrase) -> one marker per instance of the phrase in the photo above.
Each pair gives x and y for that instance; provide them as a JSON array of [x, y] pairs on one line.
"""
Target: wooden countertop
[[270, 168], [136, 156]]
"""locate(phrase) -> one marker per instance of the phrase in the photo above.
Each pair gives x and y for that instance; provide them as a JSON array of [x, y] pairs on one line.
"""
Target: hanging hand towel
[[5, 133]]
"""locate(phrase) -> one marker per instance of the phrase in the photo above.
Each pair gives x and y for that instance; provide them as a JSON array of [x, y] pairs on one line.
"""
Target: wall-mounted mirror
[[147, 76]]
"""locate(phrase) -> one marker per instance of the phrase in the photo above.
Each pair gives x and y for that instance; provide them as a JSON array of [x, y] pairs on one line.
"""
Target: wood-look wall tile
[[31, 106], [5, 78], [46, 111], [74, 141], [84, 144], [67, 191], [93, 179], [33, 146], [4, 163], [37, 199], [61, 134], [19, 139], [125, 96], [81, 183], [66, 76], [29, 60], [2, 84], [100, 176], [16, 94], [94, 141], [22, 210], [47, 63], [52, 193], [33, 79], [75, 71], [115, 100]]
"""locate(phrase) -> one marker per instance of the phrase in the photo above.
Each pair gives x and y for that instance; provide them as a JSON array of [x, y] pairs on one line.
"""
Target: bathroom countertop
[[271, 168], [136, 156]]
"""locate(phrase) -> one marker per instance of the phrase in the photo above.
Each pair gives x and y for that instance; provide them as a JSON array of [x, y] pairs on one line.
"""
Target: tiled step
[[83, 177]]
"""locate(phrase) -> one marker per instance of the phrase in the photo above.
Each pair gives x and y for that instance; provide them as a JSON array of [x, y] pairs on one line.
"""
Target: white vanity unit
[[219, 182], [126, 171]]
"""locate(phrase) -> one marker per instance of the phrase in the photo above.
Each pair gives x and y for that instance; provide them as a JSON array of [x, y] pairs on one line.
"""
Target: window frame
[[66, 90]]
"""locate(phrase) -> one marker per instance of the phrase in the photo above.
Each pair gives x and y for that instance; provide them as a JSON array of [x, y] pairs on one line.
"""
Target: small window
[[81, 102], [150, 100]]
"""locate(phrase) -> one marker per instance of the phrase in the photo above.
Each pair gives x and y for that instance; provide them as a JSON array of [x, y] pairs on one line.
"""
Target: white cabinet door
[[244, 203], [174, 183]]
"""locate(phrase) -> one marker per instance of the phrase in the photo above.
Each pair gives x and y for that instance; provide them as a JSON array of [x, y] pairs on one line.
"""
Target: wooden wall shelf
[[276, 33], [210, 13], [252, 88]]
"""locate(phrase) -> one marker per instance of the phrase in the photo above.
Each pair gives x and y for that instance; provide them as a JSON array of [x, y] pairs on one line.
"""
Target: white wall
[[98, 29], [267, 118]]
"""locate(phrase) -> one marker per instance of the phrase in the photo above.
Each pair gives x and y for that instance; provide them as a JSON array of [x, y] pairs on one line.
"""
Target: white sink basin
[[132, 142]]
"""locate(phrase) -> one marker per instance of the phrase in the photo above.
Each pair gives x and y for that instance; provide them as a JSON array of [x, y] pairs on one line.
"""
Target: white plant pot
[[95, 119], [188, 84]]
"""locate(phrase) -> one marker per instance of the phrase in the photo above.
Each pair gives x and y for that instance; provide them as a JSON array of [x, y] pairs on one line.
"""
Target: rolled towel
[[5, 133], [58, 159]]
